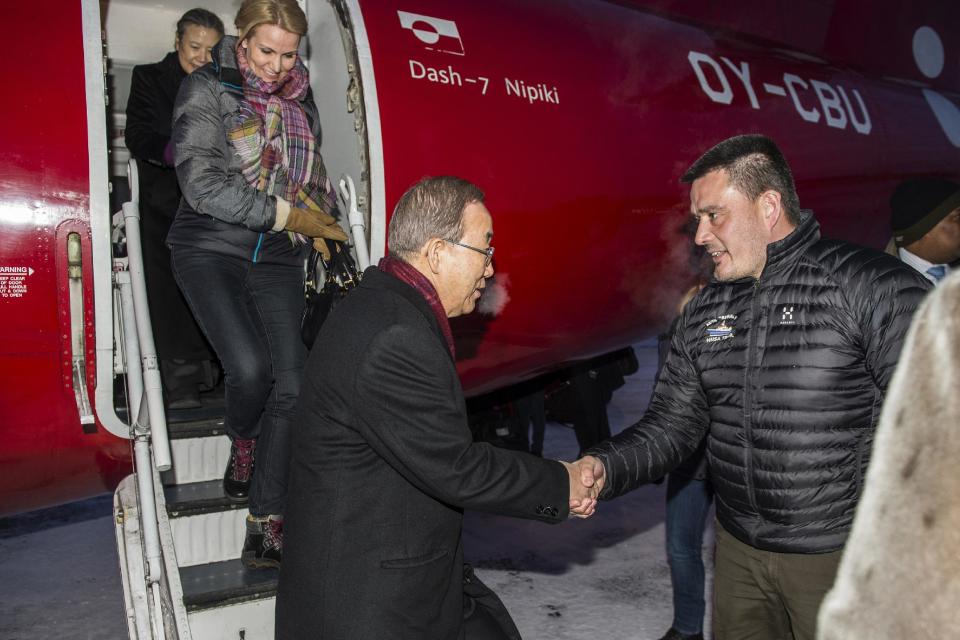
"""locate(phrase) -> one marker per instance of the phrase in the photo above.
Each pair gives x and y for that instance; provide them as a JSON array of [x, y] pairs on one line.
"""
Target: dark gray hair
[[201, 18], [432, 208], [754, 164]]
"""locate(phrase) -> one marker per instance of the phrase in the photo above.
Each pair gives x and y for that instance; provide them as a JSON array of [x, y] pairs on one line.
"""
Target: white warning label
[[13, 281]]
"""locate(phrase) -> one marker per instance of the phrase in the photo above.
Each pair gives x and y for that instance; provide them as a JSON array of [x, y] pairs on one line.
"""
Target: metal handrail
[[148, 425], [357, 227], [156, 423]]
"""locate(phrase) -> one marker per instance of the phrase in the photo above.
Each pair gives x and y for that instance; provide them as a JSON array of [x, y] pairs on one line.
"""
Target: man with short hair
[[926, 225], [782, 362], [384, 463]]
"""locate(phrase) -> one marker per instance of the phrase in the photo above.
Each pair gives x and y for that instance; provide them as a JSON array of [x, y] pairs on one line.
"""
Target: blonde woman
[[255, 191]]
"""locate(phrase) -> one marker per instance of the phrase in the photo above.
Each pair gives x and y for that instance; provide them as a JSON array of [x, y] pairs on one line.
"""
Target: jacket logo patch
[[784, 314], [720, 328]]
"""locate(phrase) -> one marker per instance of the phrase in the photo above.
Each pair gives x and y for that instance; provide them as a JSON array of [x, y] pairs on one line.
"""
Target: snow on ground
[[59, 574], [603, 577]]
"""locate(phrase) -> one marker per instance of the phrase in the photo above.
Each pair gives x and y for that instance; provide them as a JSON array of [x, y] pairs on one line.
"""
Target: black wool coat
[[153, 91], [383, 466]]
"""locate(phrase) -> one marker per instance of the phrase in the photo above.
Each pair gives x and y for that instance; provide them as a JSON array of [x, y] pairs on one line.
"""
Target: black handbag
[[326, 284], [484, 616]]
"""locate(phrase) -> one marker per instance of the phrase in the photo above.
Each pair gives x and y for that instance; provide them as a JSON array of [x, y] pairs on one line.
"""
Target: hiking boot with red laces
[[236, 479], [263, 546]]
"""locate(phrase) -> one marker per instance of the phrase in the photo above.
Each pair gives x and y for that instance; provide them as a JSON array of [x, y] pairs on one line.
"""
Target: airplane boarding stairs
[[210, 594], [179, 537]]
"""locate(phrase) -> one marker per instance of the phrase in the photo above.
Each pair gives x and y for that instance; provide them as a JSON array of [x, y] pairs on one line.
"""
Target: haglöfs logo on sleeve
[[441, 35]]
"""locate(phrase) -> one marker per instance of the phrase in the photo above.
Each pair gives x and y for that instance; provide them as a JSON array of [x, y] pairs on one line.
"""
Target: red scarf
[[405, 272]]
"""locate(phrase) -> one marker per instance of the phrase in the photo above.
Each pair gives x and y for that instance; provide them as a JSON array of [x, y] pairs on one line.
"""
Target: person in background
[[592, 386], [183, 352], [926, 225], [255, 191], [782, 361], [898, 577], [532, 414], [689, 498]]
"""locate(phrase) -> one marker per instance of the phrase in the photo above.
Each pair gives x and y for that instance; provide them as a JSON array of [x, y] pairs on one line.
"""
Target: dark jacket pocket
[[416, 561]]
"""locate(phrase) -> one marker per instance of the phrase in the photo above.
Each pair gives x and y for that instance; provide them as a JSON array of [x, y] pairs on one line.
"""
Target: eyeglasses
[[488, 252]]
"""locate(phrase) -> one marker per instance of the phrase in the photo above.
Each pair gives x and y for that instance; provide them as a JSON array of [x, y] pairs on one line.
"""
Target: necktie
[[937, 272]]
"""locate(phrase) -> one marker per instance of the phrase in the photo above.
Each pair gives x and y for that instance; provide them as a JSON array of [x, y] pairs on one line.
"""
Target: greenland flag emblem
[[436, 33]]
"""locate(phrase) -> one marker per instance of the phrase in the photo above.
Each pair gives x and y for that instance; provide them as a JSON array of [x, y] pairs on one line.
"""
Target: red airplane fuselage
[[577, 117]]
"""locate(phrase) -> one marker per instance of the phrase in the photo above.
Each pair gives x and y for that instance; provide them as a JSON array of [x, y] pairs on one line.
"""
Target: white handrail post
[[131, 347], [349, 194], [151, 373], [148, 426], [148, 505]]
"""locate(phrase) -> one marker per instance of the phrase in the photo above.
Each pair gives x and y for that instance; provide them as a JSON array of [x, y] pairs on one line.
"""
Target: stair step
[[208, 535], [197, 498], [205, 428], [212, 409], [200, 452], [248, 620], [219, 584]]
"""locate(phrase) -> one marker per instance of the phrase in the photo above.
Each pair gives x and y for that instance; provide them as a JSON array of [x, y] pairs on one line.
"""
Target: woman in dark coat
[[183, 352]]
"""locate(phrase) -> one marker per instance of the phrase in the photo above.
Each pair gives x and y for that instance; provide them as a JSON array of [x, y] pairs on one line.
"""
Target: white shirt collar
[[920, 264]]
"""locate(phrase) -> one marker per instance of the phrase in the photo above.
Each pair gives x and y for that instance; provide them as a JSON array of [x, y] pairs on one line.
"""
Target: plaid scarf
[[272, 137], [407, 273]]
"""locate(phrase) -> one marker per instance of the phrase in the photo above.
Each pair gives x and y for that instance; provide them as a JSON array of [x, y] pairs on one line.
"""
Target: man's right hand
[[592, 473], [314, 224], [586, 481]]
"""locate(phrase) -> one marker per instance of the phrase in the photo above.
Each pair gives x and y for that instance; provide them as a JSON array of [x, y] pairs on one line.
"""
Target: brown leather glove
[[315, 224], [320, 245]]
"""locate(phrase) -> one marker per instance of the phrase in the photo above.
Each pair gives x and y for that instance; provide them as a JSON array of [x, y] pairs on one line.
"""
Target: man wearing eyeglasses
[[384, 462]]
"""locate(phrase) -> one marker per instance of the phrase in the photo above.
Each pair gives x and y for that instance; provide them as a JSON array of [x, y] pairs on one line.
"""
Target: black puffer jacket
[[787, 375]]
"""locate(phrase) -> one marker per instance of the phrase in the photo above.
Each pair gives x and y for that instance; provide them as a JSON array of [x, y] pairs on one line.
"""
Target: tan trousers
[[764, 595]]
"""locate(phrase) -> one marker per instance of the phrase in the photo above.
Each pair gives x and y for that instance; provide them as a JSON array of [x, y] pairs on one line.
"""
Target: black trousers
[[250, 313]]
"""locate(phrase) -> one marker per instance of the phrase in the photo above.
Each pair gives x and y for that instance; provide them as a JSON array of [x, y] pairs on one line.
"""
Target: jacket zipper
[[256, 250], [748, 399]]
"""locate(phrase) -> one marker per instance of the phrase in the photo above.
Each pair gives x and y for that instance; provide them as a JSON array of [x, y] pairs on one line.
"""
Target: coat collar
[[375, 279], [169, 75], [224, 60], [783, 253], [170, 66]]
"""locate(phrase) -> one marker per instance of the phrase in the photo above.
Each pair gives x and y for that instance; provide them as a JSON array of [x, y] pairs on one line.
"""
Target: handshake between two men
[[586, 482]]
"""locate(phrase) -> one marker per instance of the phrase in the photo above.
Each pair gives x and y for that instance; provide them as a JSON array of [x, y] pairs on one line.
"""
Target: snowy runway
[[603, 577]]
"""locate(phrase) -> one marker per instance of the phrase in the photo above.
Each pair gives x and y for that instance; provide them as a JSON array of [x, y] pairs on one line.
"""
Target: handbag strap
[[339, 270], [341, 266], [310, 279]]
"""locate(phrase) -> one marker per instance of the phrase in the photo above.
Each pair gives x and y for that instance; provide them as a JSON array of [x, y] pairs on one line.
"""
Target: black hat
[[919, 204]]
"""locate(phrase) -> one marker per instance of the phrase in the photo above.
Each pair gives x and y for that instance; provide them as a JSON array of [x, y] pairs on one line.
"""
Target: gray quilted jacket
[[219, 211]]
